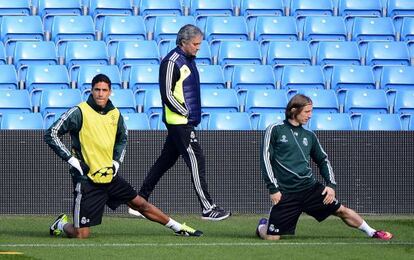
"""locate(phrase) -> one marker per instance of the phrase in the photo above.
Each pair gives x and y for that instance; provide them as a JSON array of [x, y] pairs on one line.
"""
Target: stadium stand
[[98, 9], [124, 100], [8, 77], [252, 9], [219, 100]]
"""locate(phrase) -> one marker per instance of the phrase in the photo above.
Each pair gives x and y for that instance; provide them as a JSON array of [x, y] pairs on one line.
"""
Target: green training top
[[285, 159]]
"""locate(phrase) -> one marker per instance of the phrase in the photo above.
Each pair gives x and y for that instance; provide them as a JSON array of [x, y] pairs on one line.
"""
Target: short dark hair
[[296, 105], [186, 33], [101, 78]]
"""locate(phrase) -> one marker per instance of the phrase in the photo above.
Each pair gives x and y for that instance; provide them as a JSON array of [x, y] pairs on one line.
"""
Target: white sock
[[367, 229], [60, 225], [174, 225], [262, 229]]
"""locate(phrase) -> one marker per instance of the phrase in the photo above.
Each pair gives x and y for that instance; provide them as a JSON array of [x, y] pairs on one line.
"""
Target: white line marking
[[209, 244]]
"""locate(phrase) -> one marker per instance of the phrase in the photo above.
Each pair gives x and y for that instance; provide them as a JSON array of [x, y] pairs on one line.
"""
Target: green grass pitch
[[124, 237]]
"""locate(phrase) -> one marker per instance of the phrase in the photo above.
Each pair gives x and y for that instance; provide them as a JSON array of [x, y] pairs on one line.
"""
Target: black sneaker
[[215, 214], [188, 231]]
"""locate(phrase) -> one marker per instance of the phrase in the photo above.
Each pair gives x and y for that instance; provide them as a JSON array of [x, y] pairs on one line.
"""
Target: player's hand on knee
[[275, 197], [115, 166], [81, 169], [329, 194]]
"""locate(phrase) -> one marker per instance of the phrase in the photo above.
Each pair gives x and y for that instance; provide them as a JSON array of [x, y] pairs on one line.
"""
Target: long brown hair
[[296, 105]]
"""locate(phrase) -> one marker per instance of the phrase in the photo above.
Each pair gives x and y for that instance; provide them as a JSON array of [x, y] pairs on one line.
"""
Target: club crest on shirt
[[284, 139], [305, 141]]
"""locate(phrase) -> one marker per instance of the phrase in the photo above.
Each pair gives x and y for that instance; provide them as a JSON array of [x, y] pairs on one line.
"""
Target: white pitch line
[[209, 244]]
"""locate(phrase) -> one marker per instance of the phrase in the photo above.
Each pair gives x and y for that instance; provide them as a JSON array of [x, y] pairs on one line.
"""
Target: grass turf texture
[[126, 237]]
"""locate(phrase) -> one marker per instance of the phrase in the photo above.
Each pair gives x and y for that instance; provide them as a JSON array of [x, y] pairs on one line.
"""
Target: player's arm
[[265, 162], [120, 143], [71, 120], [169, 75], [320, 157]]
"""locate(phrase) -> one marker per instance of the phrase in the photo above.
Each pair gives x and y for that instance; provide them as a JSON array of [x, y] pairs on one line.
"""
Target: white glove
[[116, 167], [75, 164]]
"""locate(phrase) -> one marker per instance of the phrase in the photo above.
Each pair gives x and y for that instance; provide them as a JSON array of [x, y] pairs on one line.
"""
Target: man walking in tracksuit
[[180, 93]]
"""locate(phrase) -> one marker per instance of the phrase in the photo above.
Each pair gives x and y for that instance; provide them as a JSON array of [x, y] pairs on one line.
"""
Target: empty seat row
[[229, 121]]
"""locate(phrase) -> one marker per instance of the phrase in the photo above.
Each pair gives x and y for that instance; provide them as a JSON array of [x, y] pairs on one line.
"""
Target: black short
[[284, 215], [90, 200]]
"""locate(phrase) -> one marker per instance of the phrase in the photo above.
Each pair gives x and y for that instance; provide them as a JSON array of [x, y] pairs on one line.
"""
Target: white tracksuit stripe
[[76, 209], [266, 155], [55, 130], [196, 178]]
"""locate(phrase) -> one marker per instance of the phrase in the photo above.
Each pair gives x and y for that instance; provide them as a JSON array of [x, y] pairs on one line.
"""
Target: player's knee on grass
[[82, 233], [269, 237]]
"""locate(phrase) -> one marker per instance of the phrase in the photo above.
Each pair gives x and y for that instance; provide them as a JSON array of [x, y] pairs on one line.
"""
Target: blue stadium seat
[[20, 28], [251, 9], [218, 28], [33, 53], [41, 77], [211, 76], [136, 121], [150, 9], [14, 101], [226, 121], [98, 9], [79, 53], [266, 119], [324, 28], [397, 77], [275, 28], [387, 53], [324, 100], [400, 8], [338, 53], [122, 28], [349, 77], [289, 53], [8, 77], [54, 102], [71, 28], [260, 101], [403, 105], [88, 72], [166, 29], [219, 100], [372, 101], [251, 77], [344, 78], [149, 102], [407, 30], [48, 9], [15, 7], [380, 122], [136, 52], [306, 7], [404, 102], [331, 121], [18, 121], [124, 100], [143, 77], [297, 77], [232, 53], [352, 8], [203, 8], [373, 29]]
